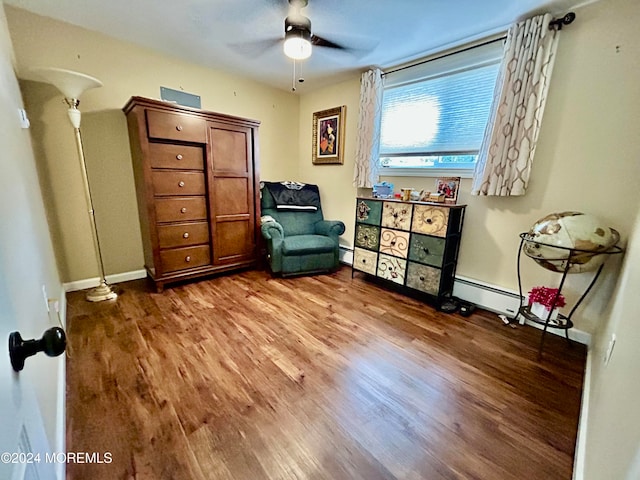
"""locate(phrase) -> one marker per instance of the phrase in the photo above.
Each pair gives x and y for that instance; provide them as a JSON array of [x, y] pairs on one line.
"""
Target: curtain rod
[[556, 22], [471, 47]]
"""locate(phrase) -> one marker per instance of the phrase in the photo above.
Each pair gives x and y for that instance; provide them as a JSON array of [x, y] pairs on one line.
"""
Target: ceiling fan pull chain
[[293, 78]]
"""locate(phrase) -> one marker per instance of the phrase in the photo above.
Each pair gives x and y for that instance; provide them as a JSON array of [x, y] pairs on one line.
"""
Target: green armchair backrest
[[299, 222]]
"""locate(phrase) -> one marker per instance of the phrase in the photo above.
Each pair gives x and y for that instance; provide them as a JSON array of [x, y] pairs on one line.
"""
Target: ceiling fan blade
[[354, 45], [255, 48], [323, 42]]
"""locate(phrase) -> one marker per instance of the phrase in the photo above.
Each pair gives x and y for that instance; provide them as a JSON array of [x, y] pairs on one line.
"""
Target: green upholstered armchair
[[297, 237]]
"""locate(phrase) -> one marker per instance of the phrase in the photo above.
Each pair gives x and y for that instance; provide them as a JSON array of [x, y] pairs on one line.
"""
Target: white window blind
[[434, 114]]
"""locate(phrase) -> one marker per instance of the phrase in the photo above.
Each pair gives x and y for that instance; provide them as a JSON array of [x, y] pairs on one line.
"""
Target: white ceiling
[[226, 34]]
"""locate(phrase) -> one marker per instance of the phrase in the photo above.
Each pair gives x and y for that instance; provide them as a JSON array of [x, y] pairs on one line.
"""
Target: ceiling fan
[[298, 39]]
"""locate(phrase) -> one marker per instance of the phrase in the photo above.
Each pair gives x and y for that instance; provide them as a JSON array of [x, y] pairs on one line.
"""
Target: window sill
[[425, 172]]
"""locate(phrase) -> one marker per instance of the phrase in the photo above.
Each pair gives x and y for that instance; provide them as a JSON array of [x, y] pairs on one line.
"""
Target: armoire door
[[232, 194]]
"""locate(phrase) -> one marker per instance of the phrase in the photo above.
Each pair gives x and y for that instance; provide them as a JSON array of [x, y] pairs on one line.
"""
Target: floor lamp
[[72, 85]]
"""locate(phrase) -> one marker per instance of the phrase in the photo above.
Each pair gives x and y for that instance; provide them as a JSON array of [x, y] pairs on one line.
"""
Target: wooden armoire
[[197, 184]]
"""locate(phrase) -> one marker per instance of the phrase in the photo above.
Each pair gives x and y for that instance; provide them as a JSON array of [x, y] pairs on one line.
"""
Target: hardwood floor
[[246, 376]]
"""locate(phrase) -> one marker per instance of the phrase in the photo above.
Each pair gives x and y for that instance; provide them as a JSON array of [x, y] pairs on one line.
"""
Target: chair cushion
[[304, 244]]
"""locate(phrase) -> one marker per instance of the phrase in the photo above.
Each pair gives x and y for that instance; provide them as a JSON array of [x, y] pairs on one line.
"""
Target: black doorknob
[[53, 343]]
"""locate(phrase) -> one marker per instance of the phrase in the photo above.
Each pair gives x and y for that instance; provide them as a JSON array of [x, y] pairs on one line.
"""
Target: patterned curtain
[[509, 144], [365, 173]]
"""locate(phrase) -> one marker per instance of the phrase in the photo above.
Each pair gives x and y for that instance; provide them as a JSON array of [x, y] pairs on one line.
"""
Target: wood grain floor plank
[[246, 376]]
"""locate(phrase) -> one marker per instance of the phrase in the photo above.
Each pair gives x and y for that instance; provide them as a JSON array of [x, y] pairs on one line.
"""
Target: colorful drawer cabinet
[[410, 244]]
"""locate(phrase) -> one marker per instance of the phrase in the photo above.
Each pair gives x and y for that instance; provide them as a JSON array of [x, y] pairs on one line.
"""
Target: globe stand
[[525, 310]]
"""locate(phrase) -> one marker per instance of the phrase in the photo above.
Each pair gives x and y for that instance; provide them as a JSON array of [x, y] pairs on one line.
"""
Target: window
[[434, 114]]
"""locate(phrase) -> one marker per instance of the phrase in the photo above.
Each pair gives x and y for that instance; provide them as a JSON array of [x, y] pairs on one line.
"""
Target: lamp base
[[101, 293]]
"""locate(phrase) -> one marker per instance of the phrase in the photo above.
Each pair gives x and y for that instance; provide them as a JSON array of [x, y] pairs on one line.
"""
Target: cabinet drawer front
[[394, 242], [175, 126], [183, 234], [424, 249], [396, 215], [183, 258], [365, 260], [430, 220], [369, 211], [180, 209], [391, 268], [181, 157], [423, 278], [178, 183], [367, 236]]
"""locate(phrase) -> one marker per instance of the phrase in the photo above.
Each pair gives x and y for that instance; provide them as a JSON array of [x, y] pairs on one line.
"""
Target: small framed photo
[[328, 136], [448, 186]]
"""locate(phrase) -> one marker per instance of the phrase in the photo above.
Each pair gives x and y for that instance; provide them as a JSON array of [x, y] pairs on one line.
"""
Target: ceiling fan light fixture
[[297, 44]]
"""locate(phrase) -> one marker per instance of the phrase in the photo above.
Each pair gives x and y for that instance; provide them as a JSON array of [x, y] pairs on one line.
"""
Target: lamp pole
[[103, 291], [72, 85]]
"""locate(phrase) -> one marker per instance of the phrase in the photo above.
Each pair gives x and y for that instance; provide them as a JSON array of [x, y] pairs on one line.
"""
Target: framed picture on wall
[[328, 136], [449, 187]]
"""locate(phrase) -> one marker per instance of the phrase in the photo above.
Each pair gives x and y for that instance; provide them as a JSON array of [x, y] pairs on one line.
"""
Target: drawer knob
[[179, 156], [179, 128], [426, 250], [183, 210], [429, 221], [364, 260], [185, 235], [366, 237], [421, 278], [181, 184], [393, 243], [187, 258]]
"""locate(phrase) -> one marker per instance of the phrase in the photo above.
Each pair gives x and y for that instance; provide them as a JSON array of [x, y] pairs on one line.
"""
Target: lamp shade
[[297, 44], [71, 84]]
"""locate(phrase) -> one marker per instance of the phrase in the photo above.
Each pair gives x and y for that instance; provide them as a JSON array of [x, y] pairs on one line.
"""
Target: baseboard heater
[[489, 297]]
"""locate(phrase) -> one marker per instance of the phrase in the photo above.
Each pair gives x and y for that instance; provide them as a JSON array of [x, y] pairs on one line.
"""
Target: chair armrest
[[272, 230], [329, 228]]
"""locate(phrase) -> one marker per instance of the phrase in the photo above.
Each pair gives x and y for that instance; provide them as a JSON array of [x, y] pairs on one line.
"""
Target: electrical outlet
[[56, 304], [607, 354]]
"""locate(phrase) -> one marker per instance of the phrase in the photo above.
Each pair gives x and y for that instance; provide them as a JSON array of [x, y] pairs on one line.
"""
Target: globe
[[573, 237]]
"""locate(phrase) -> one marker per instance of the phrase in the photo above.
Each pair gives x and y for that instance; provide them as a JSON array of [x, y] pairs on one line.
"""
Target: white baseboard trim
[[501, 300], [111, 279], [490, 297], [346, 255], [580, 455]]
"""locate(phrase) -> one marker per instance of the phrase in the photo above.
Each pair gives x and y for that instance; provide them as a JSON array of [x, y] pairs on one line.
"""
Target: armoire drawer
[[183, 234], [179, 157], [175, 126], [177, 183], [182, 258], [180, 209]]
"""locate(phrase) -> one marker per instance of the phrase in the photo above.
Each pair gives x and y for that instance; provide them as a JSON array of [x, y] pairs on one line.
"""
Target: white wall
[[613, 423], [26, 264], [587, 157], [125, 70], [335, 181]]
